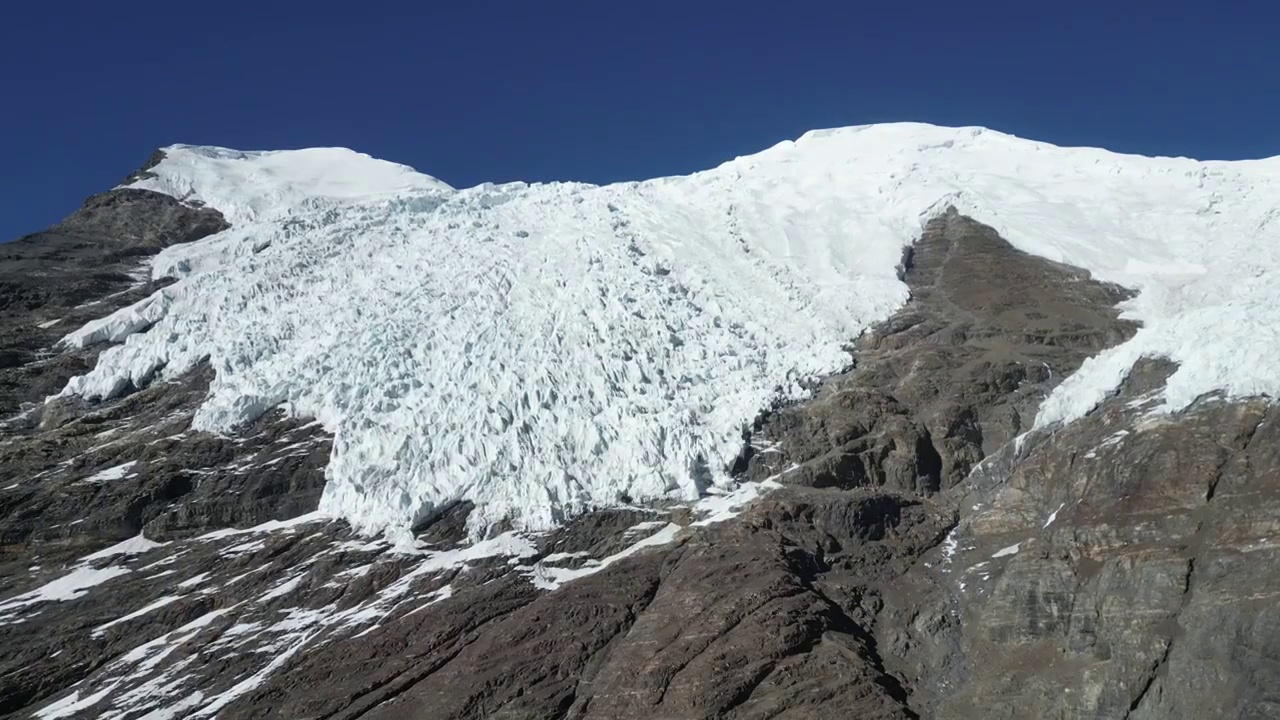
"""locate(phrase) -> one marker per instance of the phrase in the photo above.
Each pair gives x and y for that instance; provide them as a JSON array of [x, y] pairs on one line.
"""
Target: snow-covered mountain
[[895, 421], [541, 350]]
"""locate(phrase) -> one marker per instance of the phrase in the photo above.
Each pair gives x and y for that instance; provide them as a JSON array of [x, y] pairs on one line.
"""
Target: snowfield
[[544, 349]]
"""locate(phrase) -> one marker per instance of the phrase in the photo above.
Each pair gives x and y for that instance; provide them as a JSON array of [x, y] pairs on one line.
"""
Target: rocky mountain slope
[[901, 539]]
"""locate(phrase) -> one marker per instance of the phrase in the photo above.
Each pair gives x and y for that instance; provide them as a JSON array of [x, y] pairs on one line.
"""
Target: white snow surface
[[544, 349], [1053, 516], [117, 472], [135, 545], [152, 607], [549, 577], [68, 587], [1007, 551]]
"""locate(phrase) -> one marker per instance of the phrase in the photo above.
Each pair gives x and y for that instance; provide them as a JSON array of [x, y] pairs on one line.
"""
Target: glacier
[[541, 350]]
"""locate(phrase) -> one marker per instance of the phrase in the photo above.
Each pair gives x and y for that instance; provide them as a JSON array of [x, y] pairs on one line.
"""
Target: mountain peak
[[245, 184]]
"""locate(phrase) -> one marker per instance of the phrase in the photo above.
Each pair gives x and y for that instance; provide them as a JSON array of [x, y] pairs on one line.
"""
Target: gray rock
[[85, 267], [1147, 593]]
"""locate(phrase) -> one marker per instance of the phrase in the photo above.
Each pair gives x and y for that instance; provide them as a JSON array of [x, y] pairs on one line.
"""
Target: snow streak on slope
[[543, 349]]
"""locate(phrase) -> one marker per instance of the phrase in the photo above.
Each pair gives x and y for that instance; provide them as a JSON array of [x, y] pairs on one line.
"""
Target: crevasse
[[544, 349]]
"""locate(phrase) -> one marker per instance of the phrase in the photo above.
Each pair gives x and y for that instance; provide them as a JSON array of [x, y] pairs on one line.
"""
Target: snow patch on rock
[[135, 545], [1008, 551], [150, 607], [1053, 516], [119, 472], [82, 578], [549, 577], [68, 587]]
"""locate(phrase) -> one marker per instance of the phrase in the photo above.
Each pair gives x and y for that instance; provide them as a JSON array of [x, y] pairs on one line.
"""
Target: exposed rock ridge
[[85, 267], [1143, 566]]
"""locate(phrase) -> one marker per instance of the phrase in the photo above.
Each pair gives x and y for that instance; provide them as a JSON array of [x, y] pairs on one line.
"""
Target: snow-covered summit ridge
[[249, 185], [544, 349]]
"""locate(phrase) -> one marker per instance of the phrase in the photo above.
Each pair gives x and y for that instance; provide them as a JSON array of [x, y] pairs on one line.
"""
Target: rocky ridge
[[917, 553]]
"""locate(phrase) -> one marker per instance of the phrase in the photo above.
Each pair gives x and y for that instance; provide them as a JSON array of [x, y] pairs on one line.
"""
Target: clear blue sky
[[603, 91]]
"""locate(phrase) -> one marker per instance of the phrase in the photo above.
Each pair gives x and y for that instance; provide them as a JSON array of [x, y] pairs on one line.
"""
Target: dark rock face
[[83, 268], [912, 562], [85, 476], [952, 376], [1143, 573], [82, 476]]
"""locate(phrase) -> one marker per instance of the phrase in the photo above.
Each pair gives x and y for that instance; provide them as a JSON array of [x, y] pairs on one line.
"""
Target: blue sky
[[607, 91]]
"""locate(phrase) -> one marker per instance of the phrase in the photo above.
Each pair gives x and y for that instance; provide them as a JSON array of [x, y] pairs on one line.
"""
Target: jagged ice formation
[[543, 349]]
